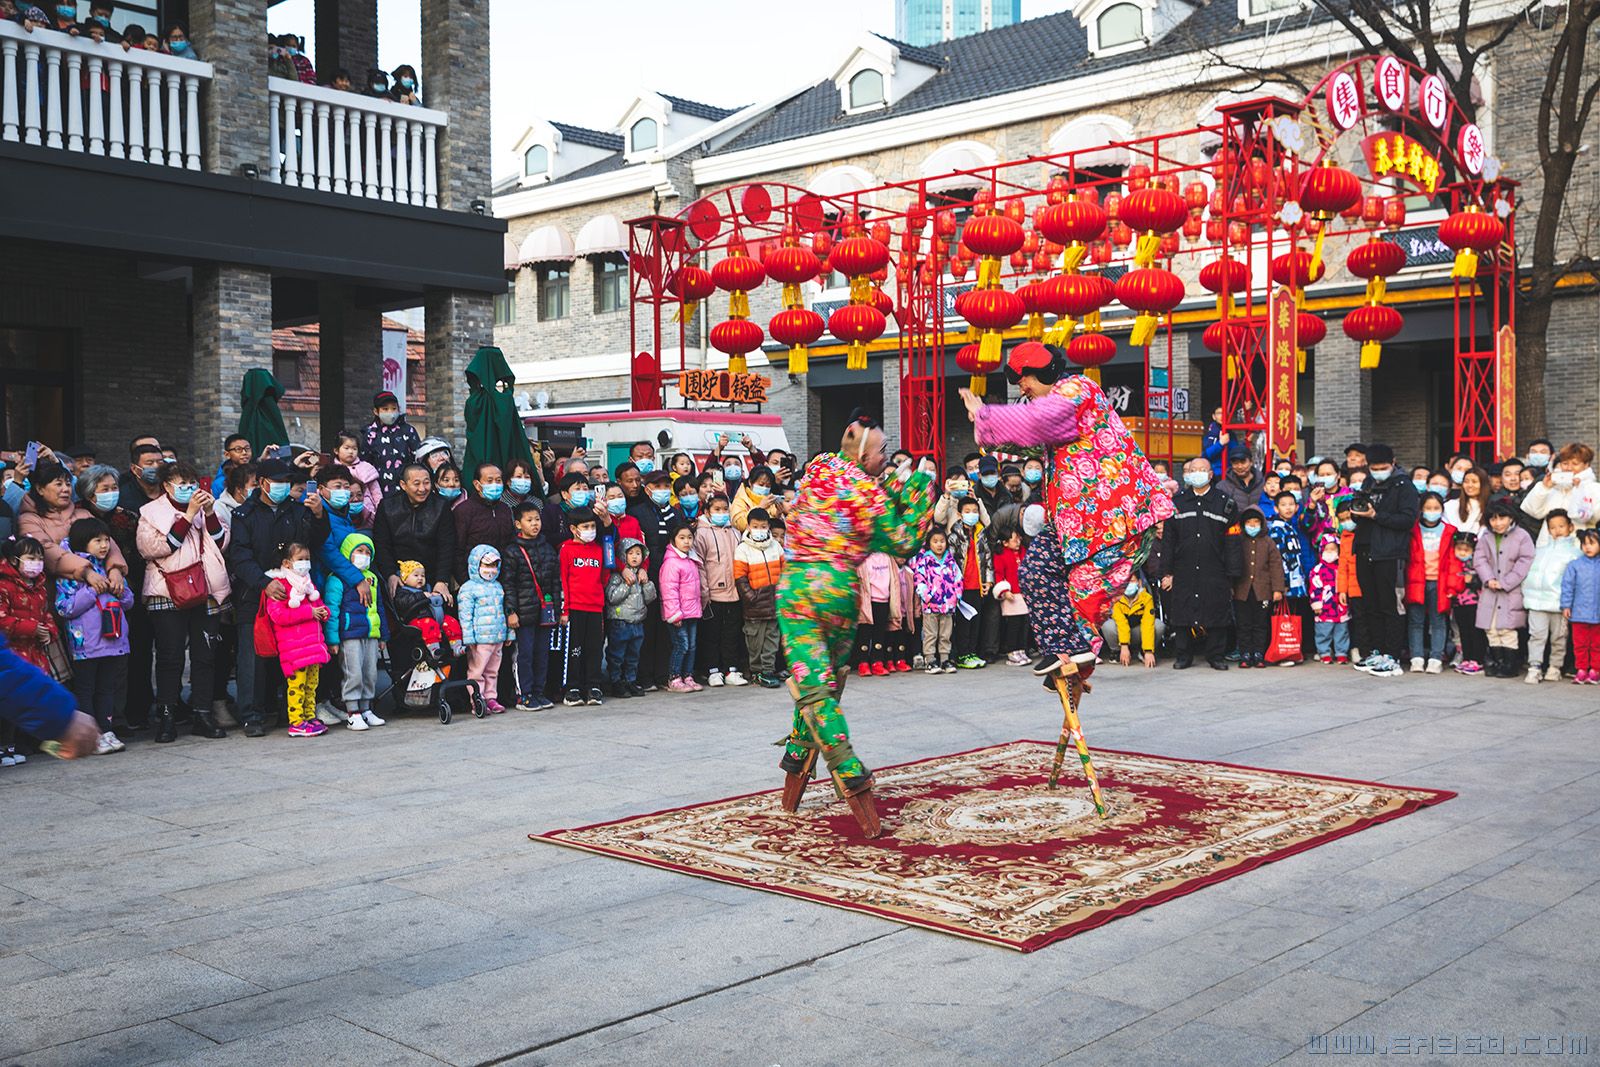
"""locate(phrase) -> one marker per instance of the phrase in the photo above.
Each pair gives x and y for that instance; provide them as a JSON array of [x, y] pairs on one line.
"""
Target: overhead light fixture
[[249, 171], [480, 207]]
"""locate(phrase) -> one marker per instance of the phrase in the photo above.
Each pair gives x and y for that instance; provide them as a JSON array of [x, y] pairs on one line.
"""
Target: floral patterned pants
[[817, 606], [303, 695], [1066, 606]]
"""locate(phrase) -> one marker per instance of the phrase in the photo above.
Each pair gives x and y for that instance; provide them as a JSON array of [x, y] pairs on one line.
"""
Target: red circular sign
[[807, 213], [672, 239], [756, 204], [705, 220]]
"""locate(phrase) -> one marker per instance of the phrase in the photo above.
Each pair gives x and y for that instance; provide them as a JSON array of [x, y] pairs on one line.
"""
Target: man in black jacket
[[260, 529], [1382, 544], [415, 524], [658, 517], [1242, 484], [1198, 561]]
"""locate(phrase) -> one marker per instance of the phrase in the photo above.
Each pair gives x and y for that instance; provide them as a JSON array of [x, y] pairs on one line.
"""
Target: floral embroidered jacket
[[841, 514]]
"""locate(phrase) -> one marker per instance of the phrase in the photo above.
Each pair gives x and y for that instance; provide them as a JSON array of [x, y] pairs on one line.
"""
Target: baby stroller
[[423, 681]]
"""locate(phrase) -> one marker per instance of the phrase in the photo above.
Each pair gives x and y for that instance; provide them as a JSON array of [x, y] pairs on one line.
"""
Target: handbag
[[547, 608], [1285, 646], [186, 586]]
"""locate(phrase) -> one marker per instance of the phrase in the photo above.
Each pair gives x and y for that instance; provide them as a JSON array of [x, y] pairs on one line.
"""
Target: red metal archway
[[1241, 179]]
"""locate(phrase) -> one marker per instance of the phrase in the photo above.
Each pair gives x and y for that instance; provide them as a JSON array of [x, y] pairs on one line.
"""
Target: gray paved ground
[[367, 899]]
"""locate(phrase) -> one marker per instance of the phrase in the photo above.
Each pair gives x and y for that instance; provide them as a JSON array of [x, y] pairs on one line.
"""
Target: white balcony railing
[[70, 93], [352, 144]]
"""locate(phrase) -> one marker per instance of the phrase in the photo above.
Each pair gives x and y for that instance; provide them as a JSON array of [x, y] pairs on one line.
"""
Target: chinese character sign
[[1471, 146], [723, 387], [1435, 101], [1397, 155], [1505, 421], [1392, 82], [1344, 100], [1282, 385]]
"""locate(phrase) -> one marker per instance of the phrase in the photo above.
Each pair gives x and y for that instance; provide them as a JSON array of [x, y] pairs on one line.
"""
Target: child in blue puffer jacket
[[1580, 603], [356, 631], [481, 604]]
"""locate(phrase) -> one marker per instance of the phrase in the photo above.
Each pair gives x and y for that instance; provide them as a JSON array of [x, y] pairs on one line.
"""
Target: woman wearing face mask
[[177, 42], [482, 518], [757, 492], [405, 86], [1569, 485], [47, 514], [522, 484], [1469, 508], [447, 483], [185, 588], [617, 526], [1432, 584]]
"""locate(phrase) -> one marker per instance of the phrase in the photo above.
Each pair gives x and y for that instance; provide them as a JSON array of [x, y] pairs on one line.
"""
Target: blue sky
[[563, 60]]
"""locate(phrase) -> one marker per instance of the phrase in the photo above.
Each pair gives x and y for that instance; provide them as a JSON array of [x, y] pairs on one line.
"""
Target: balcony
[[73, 94], [353, 145]]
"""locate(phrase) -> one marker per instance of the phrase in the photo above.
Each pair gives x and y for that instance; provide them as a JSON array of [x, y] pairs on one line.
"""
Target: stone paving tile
[[1297, 1005], [272, 1010], [133, 1046], [319, 1039]]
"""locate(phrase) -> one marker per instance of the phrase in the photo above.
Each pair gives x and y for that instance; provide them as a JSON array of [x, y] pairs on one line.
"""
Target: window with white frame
[[610, 283], [1118, 26], [866, 89], [536, 161], [555, 293], [644, 135], [1256, 9], [505, 306]]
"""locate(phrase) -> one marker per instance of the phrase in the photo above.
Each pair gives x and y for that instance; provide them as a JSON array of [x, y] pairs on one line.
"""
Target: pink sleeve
[[1049, 420]]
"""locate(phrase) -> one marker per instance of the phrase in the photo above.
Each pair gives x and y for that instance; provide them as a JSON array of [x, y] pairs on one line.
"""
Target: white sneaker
[[116, 742], [103, 746], [1553, 674], [735, 678], [1533, 676], [356, 722], [1435, 666], [330, 715], [7, 760], [16, 757], [1355, 657], [372, 718], [1416, 664], [715, 680]]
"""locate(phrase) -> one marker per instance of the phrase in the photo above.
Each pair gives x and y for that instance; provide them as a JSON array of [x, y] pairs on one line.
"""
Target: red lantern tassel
[[1035, 325], [1466, 264], [989, 347], [980, 385], [1370, 351], [798, 360], [738, 365], [856, 356], [1144, 329]]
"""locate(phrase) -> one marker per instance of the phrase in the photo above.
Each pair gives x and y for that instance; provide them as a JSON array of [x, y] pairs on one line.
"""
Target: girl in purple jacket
[[96, 632]]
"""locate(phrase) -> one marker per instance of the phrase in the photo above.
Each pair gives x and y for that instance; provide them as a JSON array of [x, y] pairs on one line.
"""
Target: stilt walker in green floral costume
[[841, 514]]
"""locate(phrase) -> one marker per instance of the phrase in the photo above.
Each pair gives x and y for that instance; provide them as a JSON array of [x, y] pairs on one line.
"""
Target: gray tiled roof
[[928, 57], [1040, 51], [611, 142], [697, 109]]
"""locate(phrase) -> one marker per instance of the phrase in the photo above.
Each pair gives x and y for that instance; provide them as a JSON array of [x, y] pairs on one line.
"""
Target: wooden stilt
[[861, 803], [1071, 687], [795, 782]]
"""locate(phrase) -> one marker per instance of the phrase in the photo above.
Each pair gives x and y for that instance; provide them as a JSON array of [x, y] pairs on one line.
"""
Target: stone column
[[457, 325], [347, 36], [231, 35], [890, 370], [1343, 396], [232, 334], [350, 362], [455, 79]]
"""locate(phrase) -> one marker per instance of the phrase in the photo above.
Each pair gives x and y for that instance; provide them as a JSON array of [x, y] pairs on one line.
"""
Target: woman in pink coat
[[682, 595]]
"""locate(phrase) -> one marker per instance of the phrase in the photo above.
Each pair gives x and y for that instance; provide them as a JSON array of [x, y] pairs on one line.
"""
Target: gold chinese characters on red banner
[[723, 387], [1281, 367], [1505, 347], [1403, 157]]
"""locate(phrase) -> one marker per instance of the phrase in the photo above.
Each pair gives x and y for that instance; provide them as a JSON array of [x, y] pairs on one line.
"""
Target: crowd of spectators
[[63, 17]]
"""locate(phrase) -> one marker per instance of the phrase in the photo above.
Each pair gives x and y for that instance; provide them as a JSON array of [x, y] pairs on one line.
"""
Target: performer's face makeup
[[1032, 388], [874, 456]]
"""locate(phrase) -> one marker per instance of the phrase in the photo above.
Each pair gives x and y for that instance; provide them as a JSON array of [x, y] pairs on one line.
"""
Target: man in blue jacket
[[39, 706]]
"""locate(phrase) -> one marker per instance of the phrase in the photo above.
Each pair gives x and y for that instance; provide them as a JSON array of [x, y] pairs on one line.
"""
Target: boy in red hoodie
[[583, 605]]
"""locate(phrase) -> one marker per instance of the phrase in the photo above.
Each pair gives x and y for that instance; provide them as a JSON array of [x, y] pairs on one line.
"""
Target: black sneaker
[[620, 690], [255, 728], [1047, 665], [573, 699], [637, 690], [595, 698]]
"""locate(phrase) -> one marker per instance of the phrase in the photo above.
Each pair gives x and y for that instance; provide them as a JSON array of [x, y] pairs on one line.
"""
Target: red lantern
[[821, 244], [1470, 233], [1329, 189], [1170, 244], [1192, 228], [883, 302], [1100, 253], [1019, 260], [1375, 259], [881, 232], [1030, 241], [1215, 228], [1235, 333], [857, 325], [1041, 261], [690, 284], [1155, 211], [1354, 211], [990, 309], [1016, 210], [1073, 296], [736, 337], [1372, 210], [1122, 235], [796, 328], [1238, 233], [1032, 297], [992, 235], [968, 358], [1138, 176], [958, 268], [1260, 174], [1075, 220], [1372, 324], [790, 265], [1309, 330], [1394, 212], [1296, 269], [1196, 195], [1225, 276], [1152, 292], [1056, 192], [1113, 205], [859, 255], [944, 223], [1091, 349]]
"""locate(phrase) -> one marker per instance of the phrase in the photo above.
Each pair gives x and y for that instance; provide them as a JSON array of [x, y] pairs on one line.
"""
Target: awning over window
[[939, 168], [601, 235], [513, 260], [1090, 139], [843, 183], [547, 244]]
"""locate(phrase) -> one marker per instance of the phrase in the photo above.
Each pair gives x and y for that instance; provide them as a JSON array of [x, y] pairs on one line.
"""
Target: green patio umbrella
[[259, 417], [494, 429]]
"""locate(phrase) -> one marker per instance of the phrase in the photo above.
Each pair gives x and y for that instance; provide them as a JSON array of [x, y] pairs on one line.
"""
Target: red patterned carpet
[[976, 845]]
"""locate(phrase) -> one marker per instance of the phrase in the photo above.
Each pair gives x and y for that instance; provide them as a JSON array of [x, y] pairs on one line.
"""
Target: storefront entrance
[[37, 380]]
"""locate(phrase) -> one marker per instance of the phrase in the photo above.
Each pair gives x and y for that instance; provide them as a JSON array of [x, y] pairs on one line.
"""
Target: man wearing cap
[[261, 527], [1243, 483], [1355, 458], [1101, 500], [81, 458], [389, 442]]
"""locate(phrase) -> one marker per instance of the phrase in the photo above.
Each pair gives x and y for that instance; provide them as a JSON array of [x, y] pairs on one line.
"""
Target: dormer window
[[644, 135], [536, 161], [866, 90], [1119, 26], [1260, 10]]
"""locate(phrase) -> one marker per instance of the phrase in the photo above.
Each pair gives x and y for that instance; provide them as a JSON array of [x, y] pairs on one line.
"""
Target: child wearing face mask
[[757, 492], [1330, 608], [1013, 608], [583, 604], [1471, 640], [1344, 528], [1541, 596], [947, 509], [1431, 586], [97, 632], [294, 627], [1133, 605], [27, 622], [368, 492], [1580, 606], [1257, 589], [721, 645], [481, 603], [682, 604], [356, 632], [757, 565], [970, 546]]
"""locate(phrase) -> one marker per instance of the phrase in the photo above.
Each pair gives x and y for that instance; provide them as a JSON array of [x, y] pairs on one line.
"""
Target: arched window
[[643, 135], [866, 89], [1119, 25], [536, 161]]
